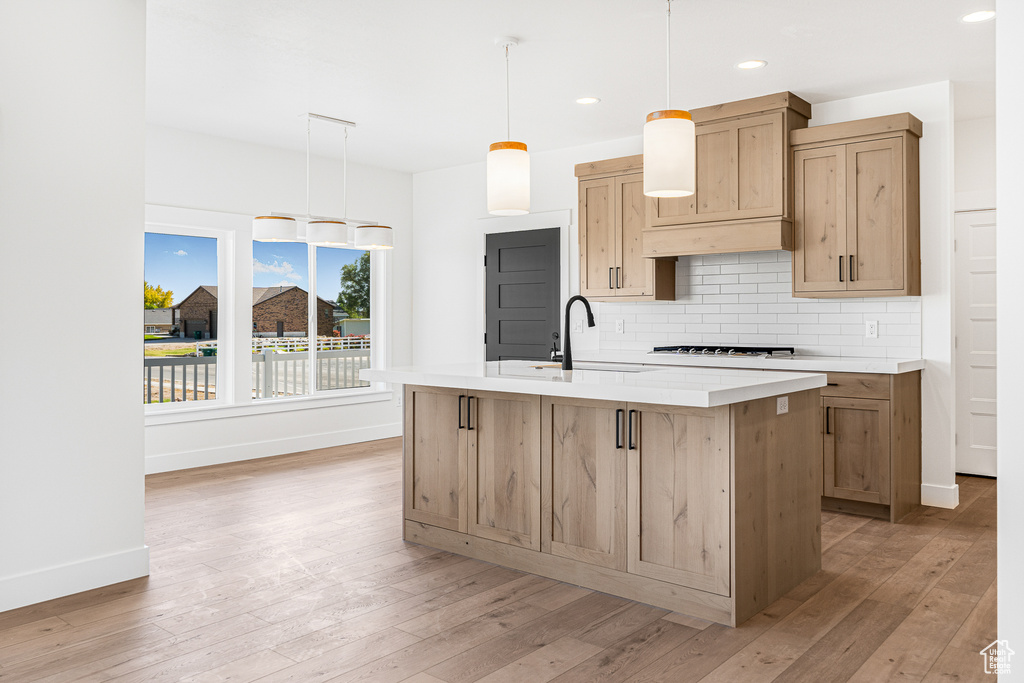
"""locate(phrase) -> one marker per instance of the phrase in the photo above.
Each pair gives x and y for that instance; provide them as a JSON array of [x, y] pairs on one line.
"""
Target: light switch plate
[[620, 326], [782, 405], [577, 326], [871, 329]]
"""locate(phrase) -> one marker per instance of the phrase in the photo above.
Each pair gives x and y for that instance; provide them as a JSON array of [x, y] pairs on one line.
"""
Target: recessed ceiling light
[[588, 100], [978, 17], [752, 64]]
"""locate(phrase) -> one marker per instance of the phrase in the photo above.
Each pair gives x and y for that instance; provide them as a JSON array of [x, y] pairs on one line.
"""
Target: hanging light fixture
[[374, 237], [274, 229], [508, 163], [670, 140]]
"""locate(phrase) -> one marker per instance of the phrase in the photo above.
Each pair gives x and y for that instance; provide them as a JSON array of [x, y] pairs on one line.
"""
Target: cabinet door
[[679, 498], [856, 465], [598, 238], [504, 467], [435, 457], [634, 275], [820, 218], [874, 206], [584, 511]]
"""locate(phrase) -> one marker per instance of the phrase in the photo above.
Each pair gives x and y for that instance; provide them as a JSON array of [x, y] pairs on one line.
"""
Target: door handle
[[840, 268], [828, 421], [618, 271], [610, 285], [632, 445], [851, 267], [469, 413], [461, 396], [618, 428]]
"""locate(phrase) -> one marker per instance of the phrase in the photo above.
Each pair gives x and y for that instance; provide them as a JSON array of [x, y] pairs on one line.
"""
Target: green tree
[[354, 296], [156, 297]]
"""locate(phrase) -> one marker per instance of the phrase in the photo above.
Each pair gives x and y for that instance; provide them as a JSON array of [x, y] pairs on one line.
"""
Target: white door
[[975, 356]]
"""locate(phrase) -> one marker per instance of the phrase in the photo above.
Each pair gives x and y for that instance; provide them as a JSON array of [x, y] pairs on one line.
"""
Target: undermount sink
[[594, 367]]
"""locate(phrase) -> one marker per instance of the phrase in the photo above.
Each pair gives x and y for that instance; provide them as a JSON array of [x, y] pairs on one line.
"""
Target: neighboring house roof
[[259, 294]]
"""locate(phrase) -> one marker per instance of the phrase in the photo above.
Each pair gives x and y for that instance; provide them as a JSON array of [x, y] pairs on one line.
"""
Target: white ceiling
[[425, 82]]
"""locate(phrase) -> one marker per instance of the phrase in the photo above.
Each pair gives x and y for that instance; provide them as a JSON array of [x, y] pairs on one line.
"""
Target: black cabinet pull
[[850, 261], [461, 396], [840, 268], [828, 421], [832, 384], [469, 413], [610, 285], [632, 445], [618, 428], [618, 281]]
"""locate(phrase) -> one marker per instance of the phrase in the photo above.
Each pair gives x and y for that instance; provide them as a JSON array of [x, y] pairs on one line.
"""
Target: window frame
[[234, 264]]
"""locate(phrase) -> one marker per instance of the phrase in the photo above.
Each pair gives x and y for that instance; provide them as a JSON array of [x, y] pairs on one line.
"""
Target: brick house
[[276, 312]]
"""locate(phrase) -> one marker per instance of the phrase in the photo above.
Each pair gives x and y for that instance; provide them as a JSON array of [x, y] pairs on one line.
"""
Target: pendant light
[[508, 163], [374, 237], [274, 229], [670, 140], [328, 232]]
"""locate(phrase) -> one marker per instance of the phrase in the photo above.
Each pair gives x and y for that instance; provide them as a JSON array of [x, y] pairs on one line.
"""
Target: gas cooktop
[[697, 350]]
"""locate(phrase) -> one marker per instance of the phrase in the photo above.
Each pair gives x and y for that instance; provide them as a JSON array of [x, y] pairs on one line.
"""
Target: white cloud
[[283, 283], [282, 268], [181, 252]]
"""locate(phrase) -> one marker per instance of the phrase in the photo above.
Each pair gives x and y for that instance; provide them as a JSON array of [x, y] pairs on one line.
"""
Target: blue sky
[[181, 264]]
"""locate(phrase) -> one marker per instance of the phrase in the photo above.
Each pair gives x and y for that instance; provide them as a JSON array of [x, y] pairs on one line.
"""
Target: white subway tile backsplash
[[747, 299]]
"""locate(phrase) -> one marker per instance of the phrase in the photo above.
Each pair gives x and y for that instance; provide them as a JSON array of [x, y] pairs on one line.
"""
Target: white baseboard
[[68, 579], [940, 496], [202, 457]]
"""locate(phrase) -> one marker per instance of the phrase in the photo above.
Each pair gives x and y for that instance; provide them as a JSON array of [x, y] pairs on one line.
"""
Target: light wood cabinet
[[856, 229], [743, 184], [678, 497], [871, 444], [584, 450], [612, 216], [473, 463]]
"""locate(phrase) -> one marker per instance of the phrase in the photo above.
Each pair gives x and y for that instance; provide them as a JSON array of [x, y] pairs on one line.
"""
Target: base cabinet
[[712, 512], [871, 444]]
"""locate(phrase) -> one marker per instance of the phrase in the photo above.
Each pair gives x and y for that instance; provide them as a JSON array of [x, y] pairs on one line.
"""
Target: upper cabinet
[[857, 199], [744, 188], [612, 216]]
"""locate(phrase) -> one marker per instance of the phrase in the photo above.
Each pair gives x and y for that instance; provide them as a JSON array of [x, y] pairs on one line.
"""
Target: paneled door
[[820, 219], [635, 275], [584, 508], [856, 449], [874, 223], [598, 237], [504, 467], [975, 354], [679, 496], [436, 442]]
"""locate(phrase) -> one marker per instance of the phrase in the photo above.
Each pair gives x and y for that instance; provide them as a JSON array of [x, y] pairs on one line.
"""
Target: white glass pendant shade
[[327, 233], [274, 229], [670, 154], [508, 179], [374, 237]]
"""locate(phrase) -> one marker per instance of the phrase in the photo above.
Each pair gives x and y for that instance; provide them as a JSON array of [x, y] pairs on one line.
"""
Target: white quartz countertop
[[885, 366], [701, 387]]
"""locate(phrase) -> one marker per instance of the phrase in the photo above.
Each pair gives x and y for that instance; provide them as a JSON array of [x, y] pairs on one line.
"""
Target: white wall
[[1010, 283], [198, 171], [975, 154], [447, 202], [71, 207]]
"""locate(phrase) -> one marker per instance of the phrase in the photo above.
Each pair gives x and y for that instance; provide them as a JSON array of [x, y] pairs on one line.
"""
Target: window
[[280, 319], [343, 294], [180, 318]]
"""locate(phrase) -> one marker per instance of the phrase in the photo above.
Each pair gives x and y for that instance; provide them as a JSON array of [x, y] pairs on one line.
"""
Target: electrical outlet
[[577, 326], [620, 326], [871, 329], [782, 405], [398, 401]]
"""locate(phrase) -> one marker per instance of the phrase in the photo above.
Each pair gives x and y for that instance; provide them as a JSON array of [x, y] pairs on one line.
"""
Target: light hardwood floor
[[293, 569]]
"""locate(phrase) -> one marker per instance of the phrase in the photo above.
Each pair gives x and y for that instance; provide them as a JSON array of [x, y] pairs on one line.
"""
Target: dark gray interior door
[[522, 294]]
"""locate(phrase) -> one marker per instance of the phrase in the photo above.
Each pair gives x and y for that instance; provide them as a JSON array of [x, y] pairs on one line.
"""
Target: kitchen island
[[693, 489]]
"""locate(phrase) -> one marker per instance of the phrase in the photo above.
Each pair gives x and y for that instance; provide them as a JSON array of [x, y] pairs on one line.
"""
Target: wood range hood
[[744, 197]]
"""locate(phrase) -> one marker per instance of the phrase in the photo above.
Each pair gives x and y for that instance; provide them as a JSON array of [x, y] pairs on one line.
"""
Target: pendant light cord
[[668, 56], [344, 176], [508, 101], [307, 165]]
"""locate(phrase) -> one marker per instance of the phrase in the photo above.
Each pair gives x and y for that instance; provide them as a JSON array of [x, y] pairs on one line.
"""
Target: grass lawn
[[152, 352], [153, 336]]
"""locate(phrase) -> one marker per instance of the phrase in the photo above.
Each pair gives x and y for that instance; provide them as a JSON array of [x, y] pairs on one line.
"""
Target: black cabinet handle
[[618, 428], [610, 285], [832, 384], [461, 396], [469, 413], [632, 445], [840, 268], [850, 261], [618, 282], [828, 420]]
